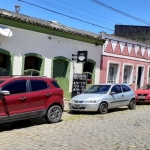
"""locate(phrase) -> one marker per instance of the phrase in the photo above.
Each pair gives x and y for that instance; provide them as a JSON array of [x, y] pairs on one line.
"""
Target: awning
[[5, 31]]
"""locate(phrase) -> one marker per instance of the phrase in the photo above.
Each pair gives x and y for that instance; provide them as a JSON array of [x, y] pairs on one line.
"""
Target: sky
[[97, 17]]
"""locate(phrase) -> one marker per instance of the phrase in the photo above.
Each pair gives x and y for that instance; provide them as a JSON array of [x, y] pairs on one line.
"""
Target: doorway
[[140, 77]]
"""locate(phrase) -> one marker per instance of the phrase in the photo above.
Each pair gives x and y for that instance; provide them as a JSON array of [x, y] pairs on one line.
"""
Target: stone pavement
[[120, 129]]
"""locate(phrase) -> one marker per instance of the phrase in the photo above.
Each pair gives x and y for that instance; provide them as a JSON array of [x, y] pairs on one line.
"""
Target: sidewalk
[[66, 107]]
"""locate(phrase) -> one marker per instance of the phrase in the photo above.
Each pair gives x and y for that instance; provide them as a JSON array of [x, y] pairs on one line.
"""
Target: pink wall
[[104, 69]]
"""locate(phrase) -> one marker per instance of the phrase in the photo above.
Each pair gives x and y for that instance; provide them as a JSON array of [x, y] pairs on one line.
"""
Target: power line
[[123, 13], [65, 15], [72, 12], [89, 12]]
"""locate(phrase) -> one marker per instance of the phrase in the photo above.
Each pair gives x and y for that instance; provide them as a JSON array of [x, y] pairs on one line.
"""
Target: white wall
[[25, 41]]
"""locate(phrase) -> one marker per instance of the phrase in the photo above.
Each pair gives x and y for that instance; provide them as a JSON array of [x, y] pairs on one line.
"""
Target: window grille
[[127, 74], [112, 74]]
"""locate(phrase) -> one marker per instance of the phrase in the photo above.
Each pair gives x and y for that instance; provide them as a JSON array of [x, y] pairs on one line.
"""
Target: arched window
[[32, 65], [88, 69], [5, 63], [60, 67]]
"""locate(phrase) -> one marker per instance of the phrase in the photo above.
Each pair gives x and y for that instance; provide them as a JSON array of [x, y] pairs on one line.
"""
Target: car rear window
[[55, 84]]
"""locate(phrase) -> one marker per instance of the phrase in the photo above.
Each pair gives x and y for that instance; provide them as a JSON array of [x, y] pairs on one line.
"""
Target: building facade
[[43, 48], [124, 61]]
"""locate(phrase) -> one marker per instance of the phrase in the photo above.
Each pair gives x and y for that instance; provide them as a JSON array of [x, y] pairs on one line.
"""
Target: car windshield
[[146, 87], [100, 89]]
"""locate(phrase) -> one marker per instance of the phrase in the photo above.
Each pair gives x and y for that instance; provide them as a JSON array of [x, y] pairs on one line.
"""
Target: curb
[[66, 107]]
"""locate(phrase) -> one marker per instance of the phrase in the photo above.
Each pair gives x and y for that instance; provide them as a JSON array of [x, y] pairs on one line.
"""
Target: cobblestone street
[[120, 129]]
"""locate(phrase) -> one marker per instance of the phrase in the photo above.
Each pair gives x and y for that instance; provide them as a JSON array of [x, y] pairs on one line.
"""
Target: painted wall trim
[[48, 30], [125, 57]]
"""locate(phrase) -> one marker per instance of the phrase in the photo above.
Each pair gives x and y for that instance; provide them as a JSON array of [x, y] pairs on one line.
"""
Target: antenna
[[17, 8]]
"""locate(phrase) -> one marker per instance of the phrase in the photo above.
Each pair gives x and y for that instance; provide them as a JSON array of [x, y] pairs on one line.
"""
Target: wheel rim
[[132, 103], [55, 113], [104, 107]]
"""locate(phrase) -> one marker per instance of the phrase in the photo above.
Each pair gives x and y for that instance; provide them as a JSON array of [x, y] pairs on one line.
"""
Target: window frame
[[91, 73], [117, 77], [132, 71], [148, 77], [126, 86], [30, 85], [117, 85], [27, 87]]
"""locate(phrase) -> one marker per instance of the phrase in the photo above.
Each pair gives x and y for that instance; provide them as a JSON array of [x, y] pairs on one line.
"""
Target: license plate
[[141, 97], [77, 106]]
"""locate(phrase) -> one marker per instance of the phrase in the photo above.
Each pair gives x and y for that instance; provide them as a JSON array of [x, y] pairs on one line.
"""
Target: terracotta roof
[[46, 24]]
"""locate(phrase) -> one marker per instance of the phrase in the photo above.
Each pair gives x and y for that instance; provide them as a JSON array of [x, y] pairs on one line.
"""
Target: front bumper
[[143, 98], [84, 106]]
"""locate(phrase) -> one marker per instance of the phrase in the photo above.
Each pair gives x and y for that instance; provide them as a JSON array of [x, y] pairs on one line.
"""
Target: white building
[[45, 48]]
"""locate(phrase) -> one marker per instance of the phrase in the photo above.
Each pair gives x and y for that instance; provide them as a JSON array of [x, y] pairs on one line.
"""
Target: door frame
[[142, 77]]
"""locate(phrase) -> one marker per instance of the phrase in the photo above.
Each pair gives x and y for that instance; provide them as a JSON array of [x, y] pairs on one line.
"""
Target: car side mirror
[[112, 93], [4, 93]]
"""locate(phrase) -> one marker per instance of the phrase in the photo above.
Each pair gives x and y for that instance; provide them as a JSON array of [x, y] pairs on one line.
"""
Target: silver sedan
[[103, 97]]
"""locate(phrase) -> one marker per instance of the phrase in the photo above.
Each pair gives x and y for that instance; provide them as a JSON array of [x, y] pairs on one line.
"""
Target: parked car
[[143, 94], [103, 97], [23, 97]]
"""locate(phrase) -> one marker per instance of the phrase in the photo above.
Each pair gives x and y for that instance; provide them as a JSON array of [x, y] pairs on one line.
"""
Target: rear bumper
[[84, 106]]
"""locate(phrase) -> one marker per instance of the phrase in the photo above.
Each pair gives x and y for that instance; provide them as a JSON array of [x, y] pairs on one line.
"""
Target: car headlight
[[90, 101]]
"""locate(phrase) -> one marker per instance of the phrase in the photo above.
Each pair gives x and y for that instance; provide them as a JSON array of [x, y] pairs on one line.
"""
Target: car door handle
[[22, 98], [48, 94], [122, 95]]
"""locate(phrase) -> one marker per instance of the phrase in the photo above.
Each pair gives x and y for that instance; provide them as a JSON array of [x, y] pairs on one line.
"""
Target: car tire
[[54, 114], [132, 104], [103, 108]]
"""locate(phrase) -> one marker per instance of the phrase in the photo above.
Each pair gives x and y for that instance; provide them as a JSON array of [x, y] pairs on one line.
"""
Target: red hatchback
[[143, 94], [23, 97]]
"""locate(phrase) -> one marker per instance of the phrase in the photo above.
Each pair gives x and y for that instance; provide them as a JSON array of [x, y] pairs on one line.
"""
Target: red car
[[143, 94], [23, 97]]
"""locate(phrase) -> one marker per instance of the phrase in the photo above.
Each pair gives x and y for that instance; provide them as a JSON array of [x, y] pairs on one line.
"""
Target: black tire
[[54, 114], [132, 104], [103, 108]]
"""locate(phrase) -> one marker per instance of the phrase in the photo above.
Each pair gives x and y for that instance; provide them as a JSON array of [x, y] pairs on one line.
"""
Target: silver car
[[102, 97]]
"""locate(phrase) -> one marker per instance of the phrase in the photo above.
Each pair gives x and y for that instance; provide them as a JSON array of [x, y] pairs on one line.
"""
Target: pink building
[[124, 61]]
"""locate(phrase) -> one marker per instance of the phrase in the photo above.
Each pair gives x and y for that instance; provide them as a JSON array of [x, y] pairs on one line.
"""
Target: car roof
[[24, 77], [112, 84]]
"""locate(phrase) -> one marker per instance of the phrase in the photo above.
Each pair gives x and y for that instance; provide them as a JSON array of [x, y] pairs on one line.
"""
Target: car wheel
[[54, 114], [132, 104], [103, 108]]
